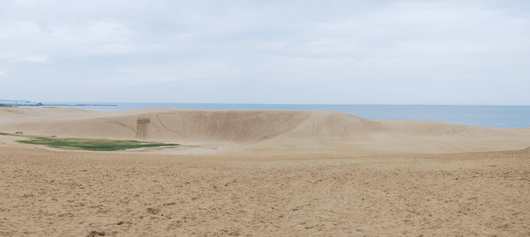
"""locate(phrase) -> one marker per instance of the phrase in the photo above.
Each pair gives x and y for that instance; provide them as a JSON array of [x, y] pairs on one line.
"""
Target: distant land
[[29, 103], [14, 101]]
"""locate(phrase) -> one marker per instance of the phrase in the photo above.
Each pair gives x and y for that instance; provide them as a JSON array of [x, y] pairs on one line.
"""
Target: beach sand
[[262, 173]]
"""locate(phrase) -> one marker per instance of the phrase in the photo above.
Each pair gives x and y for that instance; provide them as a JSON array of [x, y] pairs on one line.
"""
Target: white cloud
[[138, 43], [33, 58], [30, 2], [196, 71], [122, 49], [92, 32], [94, 37], [18, 30]]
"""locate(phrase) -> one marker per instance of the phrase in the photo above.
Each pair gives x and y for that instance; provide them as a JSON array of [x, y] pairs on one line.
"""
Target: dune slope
[[266, 132]]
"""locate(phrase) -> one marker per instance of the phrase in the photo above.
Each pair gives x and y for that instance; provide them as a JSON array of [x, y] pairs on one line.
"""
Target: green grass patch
[[10, 134], [89, 144]]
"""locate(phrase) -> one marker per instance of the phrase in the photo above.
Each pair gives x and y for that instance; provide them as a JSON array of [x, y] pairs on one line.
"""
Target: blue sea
[[474, 115]]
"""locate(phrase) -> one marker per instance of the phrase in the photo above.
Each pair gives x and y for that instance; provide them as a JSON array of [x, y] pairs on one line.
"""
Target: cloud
[[94, 31], [15, 30], [194, 71], [241, 45], [92, 37], [34, 58], [127, 49]]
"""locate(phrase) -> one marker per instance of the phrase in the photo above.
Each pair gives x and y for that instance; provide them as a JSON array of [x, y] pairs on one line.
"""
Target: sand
[[262, 173], [265, 133]]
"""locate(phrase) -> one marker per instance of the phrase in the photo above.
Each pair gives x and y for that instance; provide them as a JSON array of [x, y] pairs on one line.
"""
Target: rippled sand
[[58, 193]]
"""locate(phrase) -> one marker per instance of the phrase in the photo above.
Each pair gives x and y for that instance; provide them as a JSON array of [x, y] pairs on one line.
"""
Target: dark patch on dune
[[142, 125]]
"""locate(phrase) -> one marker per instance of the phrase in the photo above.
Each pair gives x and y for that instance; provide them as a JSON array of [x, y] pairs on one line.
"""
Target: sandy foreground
[[263, 173]]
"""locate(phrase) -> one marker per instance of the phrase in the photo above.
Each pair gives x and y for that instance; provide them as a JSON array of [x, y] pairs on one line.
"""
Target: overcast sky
[[282, 52]]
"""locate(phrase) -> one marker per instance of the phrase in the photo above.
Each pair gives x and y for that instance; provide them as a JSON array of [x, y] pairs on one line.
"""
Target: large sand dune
[[267, 173], [265, 132]]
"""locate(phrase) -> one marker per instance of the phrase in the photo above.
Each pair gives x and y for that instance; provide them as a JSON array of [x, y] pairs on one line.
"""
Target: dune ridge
[[274, 132]]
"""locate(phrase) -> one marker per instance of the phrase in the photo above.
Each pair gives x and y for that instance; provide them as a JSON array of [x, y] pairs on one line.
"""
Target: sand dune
[[265, 173], [266, 132], [74, 193]]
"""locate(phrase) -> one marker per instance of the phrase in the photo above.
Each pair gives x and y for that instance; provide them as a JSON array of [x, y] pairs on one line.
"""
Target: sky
[[267, 52]]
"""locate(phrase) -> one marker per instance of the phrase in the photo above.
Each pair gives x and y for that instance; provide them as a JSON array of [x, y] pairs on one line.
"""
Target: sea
[[475, 115]]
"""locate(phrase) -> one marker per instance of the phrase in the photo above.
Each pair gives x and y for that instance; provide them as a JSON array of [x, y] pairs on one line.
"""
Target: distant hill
[[11, 103], [14, 101]]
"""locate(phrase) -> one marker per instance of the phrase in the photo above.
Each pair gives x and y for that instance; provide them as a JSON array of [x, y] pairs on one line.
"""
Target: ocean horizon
[[507, 116]]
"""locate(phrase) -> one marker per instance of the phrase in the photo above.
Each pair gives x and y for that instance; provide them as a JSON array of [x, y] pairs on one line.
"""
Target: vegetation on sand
[[89, 144]]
